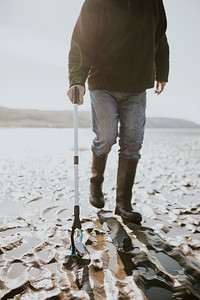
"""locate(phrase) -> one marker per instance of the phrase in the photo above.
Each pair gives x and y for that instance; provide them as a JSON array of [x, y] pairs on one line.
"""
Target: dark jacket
[[119, 45]]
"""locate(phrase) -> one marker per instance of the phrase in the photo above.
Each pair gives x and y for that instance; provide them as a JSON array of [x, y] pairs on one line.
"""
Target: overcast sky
[[34, 43]]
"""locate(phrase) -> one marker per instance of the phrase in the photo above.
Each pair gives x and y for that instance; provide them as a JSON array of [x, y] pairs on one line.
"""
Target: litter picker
[[77, 246]]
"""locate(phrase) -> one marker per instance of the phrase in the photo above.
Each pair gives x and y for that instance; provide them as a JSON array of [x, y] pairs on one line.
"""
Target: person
[[121, 48]]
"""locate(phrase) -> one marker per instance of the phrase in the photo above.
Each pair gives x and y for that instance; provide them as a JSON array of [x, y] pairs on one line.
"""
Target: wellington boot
[[125, 180], [96, 181]]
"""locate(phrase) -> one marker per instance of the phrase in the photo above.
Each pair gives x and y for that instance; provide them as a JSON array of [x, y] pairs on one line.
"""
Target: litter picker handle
[[76, 157]]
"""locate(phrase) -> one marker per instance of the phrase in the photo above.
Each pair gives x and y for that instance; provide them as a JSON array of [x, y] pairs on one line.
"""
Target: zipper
[[129, 7]]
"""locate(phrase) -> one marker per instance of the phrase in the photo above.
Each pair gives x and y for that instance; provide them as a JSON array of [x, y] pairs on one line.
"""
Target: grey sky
[[34, 43]]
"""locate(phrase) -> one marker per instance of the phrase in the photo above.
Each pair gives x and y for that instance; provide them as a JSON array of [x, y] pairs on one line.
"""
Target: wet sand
[[159, 259]]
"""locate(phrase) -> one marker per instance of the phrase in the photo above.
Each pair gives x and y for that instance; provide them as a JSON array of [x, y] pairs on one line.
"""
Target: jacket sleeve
[[83, 44], [162, 47]]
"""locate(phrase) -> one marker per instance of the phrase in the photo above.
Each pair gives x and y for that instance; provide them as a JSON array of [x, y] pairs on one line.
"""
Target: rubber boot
[[125, 180], [98, 168]]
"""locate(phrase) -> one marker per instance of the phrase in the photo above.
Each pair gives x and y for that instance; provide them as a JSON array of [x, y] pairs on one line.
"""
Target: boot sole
[[97, 205], [137, 219]]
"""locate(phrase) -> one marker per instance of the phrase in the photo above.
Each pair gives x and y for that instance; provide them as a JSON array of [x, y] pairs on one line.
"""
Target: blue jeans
[[117, 114]]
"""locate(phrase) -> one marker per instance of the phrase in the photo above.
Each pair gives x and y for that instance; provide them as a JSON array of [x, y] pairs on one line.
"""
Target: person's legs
[[132, 119], [132, 122], [105, 127], [104, 121]]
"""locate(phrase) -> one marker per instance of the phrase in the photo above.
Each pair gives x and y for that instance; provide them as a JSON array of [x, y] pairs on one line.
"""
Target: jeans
[[118, 114]]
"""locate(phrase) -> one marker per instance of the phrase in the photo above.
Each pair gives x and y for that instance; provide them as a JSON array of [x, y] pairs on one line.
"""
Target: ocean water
[[14, 140]]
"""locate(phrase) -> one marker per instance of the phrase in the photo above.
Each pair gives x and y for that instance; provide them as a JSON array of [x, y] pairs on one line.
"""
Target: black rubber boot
[[125, 180], [98, 168]]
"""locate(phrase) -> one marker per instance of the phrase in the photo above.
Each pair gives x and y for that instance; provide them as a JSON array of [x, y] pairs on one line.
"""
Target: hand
[[81, 91], [160, 85]]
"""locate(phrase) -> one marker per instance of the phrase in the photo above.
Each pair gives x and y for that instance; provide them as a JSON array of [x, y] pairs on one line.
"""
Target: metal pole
[[76, 157]]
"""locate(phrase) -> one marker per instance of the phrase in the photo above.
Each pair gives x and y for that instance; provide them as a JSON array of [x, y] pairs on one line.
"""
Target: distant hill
[[60, 119], [41, 118], [170, 123]]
